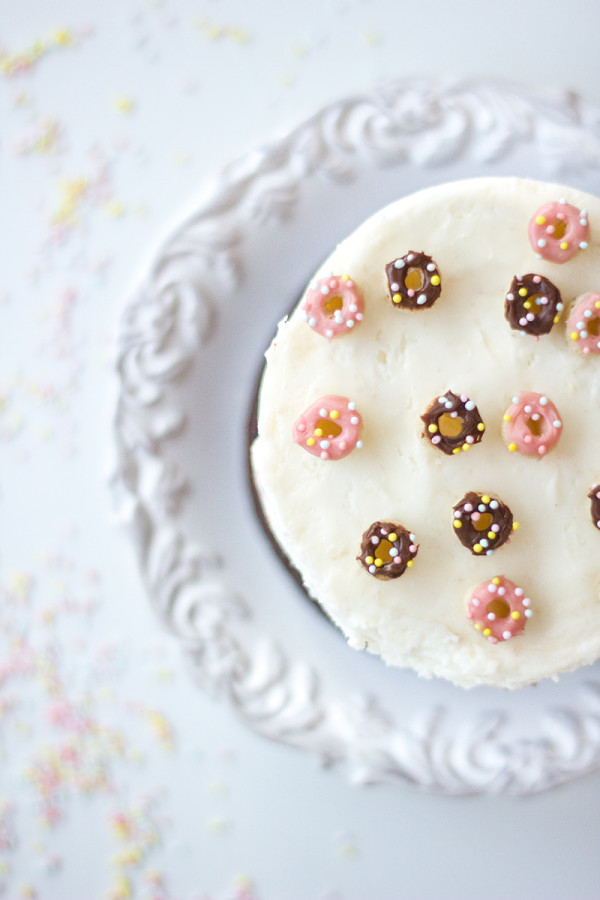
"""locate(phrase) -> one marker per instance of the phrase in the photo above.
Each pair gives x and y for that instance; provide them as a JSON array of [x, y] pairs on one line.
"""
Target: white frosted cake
[[428, 432]]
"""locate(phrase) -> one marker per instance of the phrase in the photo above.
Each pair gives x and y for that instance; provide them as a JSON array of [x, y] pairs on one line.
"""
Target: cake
[[428, 429]]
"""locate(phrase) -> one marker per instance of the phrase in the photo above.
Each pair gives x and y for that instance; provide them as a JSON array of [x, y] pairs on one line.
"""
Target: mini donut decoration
[[482, 523], [387, 550], [594, 496], [531, 425], [452, 423], [329, 428], [498, 609], [583, 324], [333, 306], [558, 230], [414, 281], [533, 304]]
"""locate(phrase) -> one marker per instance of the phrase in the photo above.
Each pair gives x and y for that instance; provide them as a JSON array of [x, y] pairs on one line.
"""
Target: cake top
[[427, 433]]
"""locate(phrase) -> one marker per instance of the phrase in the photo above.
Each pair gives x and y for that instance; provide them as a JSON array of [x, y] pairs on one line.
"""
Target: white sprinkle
[[325, 445], [506, 635], [528, 613], [394, 551], [588, 313], [430, 267], [410, 257], [557, 423], [543, 401], [372, 569], [395, 287], [510, 296], [583, 334], [312, 322], [352, 405], [469, 405], [323, 412], [501, 591], [481, 507], [399, 264], [350, 323], [329, 333], [515, 399], [559, 307], [375, 540], [518, 592], [541, 242], [583, 245], [485, 543], [354, 420], [359, 445], [493, 504], [491, 588], [324, 289], [527, 409], [421, 300], [491, 616]]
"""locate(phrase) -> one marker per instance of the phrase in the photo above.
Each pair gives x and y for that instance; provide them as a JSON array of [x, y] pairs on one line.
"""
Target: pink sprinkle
[[542, 449], [468, 507], [536, 279], [410, 292], [475, 517]]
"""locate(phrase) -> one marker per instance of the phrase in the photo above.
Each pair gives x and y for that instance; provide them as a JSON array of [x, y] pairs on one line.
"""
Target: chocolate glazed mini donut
[[482, 523], [414, 281], [533, 304], [594, 497], [452, 423], [387, 550]]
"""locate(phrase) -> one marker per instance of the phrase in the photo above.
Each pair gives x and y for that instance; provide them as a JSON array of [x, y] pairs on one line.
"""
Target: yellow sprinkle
[[512, 447], [522, 292], [481, 427], [540, 220], [477, 548], [527, 304], [516, 526], [456, 450], [311, 442], [435, 279], [556, 319], [397, 298], [124, 105], [432, 429], [492, 535], [515, 614], [318, 432], [379, 563], [334, 414], [574, 336], [410, 563], [345, 278], [487, 632], [485, 499], [564, 245], [506, 417], [369, 560], [392, 537], [597, 304], [115, 209], [466, 446], [457, 523], [496, 581], [477, 626]]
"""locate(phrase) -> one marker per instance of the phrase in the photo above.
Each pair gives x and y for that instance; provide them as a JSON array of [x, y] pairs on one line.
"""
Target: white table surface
[[118, 777]]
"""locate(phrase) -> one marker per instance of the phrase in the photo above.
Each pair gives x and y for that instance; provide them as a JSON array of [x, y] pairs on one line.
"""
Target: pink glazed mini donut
[[558, 230], [531, 425], [329, 428], [498, 609], [333, 306], [583, 324]]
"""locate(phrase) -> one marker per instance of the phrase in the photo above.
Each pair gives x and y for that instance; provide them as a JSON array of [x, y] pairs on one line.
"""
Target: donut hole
[[483, 521], [382, 551], [593, 326], [450, 426], [499, 608], [559, 228], [331, 305], [533, 304], [536, 426], [415, 279], [328, 429]]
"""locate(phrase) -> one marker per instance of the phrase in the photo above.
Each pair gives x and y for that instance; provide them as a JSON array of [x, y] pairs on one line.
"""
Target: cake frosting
[[463, 373]]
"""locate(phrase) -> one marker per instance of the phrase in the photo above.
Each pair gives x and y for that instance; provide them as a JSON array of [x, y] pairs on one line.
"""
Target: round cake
[[428, 431]]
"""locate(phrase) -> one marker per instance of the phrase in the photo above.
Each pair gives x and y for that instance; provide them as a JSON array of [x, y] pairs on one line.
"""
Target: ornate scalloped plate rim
[[166, 322]]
